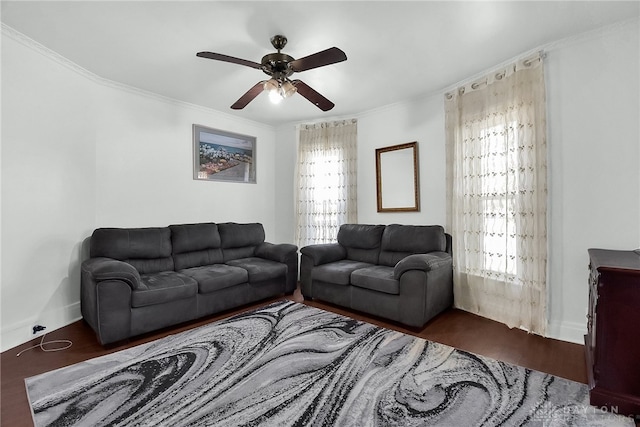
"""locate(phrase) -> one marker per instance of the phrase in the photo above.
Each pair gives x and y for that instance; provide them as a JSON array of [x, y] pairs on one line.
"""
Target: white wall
[[48, 164], [144, 173], [594, 146], [80, 153], [286, 156], [420, 120], [593, 103]]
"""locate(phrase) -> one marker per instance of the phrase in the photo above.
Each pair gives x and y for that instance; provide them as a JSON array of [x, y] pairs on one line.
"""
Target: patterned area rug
[[288, 364]]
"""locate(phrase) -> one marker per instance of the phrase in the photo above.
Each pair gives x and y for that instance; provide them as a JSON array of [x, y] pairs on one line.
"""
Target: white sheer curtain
[[326, 180], [497, 195]]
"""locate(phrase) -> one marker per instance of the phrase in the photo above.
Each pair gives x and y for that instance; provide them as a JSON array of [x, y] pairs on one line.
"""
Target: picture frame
[[397, 178], [219, 155]]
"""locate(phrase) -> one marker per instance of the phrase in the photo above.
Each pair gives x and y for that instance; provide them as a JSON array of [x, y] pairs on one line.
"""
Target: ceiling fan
[[280, 67]]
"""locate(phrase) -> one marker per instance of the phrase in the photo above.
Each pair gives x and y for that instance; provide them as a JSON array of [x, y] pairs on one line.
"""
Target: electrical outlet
[[38, 330]]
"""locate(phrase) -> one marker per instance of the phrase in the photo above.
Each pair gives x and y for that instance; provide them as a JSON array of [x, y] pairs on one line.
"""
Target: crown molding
[[52, 55], [549, 48], [26, 41]]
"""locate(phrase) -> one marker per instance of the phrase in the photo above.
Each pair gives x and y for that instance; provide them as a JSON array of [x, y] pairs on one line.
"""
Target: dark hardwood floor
[[454, 327]]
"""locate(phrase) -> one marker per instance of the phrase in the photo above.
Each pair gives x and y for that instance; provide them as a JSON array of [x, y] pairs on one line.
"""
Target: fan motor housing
[[277, 63]]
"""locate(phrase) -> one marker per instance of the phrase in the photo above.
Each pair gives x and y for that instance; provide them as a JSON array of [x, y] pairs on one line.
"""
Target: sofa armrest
[[424, 262], [102, 269], [324, 253], [285, 253], [276, 252], [106, 286]]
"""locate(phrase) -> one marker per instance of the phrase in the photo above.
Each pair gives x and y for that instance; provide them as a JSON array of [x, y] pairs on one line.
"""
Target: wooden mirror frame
[[397, 183]]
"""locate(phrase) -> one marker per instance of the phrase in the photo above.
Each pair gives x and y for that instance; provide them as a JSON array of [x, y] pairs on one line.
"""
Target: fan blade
[[320, 59], [316, 99], [249, 96], [227, 58]]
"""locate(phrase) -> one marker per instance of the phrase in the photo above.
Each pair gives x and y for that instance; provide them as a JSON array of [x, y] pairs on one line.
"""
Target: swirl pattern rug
[[288, 364]]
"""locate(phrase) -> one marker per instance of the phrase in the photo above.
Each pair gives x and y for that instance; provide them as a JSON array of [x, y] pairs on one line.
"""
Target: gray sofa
[[141, 279], [399, 272]]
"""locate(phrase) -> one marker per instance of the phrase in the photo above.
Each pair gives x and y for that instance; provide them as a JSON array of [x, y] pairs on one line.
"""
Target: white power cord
[[42, 344]]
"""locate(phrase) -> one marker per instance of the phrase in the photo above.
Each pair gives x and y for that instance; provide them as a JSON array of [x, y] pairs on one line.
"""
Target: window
[[498, 189], [324, 193], [326, 181]]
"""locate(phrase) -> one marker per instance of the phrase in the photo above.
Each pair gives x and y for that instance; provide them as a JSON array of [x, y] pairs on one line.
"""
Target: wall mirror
[[397, 178]]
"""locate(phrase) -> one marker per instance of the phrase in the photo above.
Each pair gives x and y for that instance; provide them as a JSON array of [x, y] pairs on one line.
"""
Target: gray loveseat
[[399, 272], [142, 279]]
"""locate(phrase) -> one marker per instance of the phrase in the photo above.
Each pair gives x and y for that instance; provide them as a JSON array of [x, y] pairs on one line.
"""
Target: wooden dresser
[[612, 343]]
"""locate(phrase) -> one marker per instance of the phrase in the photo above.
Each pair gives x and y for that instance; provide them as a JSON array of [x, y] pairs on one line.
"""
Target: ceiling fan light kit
[[280, 67], [279, 89]]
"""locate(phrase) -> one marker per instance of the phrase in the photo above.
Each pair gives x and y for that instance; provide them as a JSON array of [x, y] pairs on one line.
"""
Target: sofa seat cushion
[[338, 272], [260, 269], [165, 286], [214, 277], [377, 278]]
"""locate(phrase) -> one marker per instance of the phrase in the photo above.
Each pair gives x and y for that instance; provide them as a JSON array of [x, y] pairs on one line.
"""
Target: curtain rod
[[328, 123], [498, 73]]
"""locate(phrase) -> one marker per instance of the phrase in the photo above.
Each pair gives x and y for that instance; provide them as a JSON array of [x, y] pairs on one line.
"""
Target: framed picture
[[223, 156], [397, 178]]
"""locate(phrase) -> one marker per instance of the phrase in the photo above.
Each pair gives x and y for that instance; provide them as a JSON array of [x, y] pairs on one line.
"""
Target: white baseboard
[[21, 332], [568, 331]]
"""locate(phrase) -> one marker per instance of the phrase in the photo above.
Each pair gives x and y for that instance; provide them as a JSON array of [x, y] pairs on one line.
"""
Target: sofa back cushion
[[362, 241], [147, 249], [240, 240], [195, 245], [399, 241]]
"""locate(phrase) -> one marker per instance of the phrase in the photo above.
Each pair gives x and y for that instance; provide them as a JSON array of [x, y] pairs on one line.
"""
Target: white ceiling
[[396, 50]]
